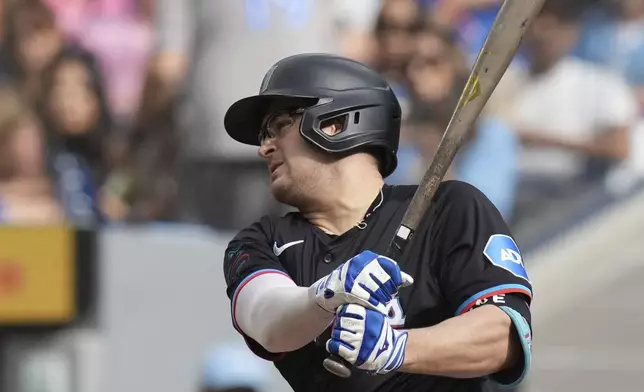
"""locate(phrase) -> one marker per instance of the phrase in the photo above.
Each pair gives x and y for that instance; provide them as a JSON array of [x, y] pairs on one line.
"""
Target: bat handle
[[338, 366]]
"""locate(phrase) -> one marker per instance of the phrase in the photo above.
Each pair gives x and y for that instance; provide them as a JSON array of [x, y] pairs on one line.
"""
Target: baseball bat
[[493, 59]]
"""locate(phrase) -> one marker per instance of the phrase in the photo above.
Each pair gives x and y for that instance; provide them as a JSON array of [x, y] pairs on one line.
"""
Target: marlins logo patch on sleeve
[[233, 262], [503, 252]]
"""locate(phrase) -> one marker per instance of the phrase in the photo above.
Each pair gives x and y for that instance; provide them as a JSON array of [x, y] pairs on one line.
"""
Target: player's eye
[[268, 129], [280, 124], [263, 135]]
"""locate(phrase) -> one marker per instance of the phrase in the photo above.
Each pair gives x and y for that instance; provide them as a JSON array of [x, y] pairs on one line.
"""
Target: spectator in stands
[[27, 194], [2, 22], [420, 135], [487, 158], [572, 116], [356, 20], [221, 180], [120, 33], [74, 110], [32, 41], [613, 36], [234, 368], [142, 185], [431, 74], [71, 15], [397, 25], [436, 66], [471, 18]]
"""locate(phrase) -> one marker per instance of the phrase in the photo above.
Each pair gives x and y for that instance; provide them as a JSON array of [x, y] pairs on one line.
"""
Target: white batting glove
[[368, 279], [366, 340]]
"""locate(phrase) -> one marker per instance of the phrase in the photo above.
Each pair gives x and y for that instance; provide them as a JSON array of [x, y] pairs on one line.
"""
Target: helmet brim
[[243, 120]]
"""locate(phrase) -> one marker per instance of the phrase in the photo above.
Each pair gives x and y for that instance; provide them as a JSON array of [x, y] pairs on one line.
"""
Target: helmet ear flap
[[379, 153]]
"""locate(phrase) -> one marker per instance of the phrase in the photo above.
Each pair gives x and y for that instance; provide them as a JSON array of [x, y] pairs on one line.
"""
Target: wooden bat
[[493, 59]]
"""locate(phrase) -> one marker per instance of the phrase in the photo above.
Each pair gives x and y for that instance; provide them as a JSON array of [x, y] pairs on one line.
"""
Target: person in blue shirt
[[75, 112], [471, 18], [487, 158], [436, 75], [613, 36], [489, 162]]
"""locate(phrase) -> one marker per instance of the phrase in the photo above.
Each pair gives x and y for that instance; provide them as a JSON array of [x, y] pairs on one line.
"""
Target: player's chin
[[281, 190]]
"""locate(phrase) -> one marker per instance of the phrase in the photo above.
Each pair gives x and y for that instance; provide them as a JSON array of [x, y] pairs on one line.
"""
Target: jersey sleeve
[[247, 257], [477, 262]]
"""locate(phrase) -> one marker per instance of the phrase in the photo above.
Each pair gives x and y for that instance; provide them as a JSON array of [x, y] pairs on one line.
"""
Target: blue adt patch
[[503, 252]]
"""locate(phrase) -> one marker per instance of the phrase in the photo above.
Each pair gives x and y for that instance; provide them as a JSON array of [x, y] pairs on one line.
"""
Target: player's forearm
[[614, 143], [536, 138], [292, 319], [475, 344], [281, 318]]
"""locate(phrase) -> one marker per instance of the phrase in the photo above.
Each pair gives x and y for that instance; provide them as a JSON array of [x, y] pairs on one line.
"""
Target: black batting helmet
[[325, 86]]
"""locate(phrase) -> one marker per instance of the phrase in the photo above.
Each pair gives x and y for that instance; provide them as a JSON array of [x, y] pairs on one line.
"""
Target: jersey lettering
[[503, 252], [511, 255], [395, 314], [497, 299]]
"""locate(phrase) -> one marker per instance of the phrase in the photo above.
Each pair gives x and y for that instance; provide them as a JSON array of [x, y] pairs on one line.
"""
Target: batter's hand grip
[[337, 365]]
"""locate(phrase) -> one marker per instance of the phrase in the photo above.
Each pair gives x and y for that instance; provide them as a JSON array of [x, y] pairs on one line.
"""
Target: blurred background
[[119, 188]]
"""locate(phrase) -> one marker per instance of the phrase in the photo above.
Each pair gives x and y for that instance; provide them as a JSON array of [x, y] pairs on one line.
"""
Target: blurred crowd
[[563, 122], [111, 110], [71, 85]]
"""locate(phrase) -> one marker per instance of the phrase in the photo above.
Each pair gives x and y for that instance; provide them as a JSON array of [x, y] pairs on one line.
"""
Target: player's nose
[[266, 148]]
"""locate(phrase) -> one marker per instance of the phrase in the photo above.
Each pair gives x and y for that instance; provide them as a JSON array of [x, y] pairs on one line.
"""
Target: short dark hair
[[24, 16], [382, 25], [448, 34]]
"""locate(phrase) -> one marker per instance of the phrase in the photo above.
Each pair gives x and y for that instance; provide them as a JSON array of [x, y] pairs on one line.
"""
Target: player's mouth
[[273, 167]]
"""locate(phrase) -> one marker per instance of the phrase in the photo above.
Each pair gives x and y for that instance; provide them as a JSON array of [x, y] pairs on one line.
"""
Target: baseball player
[[451, 315]]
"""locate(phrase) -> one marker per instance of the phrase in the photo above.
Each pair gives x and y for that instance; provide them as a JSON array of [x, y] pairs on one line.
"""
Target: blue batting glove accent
[[368, 279], [365, 339]]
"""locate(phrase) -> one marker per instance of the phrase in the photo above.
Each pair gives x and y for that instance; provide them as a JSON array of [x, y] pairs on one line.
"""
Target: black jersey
[[462, 256]]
